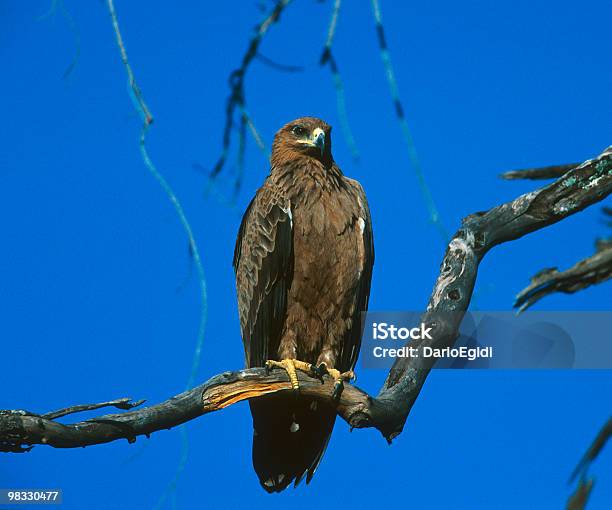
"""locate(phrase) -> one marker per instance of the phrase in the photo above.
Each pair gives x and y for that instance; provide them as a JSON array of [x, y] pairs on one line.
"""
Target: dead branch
[[546, 172], [583, 186], [608, 212], [142, 106], [19, 428], [590, 271], [434, 215], [236, 98], [580, 497], [327, 58], [119, 403], [147, 119], [285, 68], [594, 450], [76, 34]]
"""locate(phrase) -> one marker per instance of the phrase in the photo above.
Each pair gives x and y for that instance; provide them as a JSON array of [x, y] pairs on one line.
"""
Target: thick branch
[[593, 270], [579, 188], [19, 428]]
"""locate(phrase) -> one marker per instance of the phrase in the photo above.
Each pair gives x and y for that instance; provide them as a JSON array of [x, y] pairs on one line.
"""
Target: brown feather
[[303, 263]]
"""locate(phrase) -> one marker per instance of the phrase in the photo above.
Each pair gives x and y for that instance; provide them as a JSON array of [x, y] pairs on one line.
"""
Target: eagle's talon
[[291, 366], [319, 371], [339, 378], [268, 367], [338, 389]]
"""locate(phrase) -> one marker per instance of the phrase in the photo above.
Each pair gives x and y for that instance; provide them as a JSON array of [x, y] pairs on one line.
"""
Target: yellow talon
[[291, 366], [338, 377], [341, 376]]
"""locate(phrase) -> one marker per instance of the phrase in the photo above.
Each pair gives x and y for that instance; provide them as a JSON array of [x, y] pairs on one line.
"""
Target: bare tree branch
[[585, 185], [19, 427], [59, 4], [236, 98], [546, 172], [119, 403], [285, 68], [434, 215], [147, 118], [327, 58], [578, 189], [142, 107], [580, 497], [590, 271], [594, 450], [608, 212]]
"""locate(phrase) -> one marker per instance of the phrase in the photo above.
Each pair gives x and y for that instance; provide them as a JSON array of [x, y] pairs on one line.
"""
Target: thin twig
[[546, 172], [434, 215], [590, 271], [579, 499], [143, 109], [236, 98], [120, 403], [197, 354], [279, 67], [59, 4], [594, 450], [240, 158], [327, 58], [147, 121], [170, 491], [608, 215], [254, 132], [216, 192]]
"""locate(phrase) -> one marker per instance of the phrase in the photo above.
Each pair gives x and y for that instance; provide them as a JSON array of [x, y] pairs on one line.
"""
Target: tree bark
[[590, 271]]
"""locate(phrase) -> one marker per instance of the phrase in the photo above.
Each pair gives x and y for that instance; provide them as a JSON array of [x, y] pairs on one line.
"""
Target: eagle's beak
[[318, 139]]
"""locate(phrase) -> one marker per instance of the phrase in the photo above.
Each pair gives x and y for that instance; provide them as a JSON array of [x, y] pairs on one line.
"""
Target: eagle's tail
[[289, 438]]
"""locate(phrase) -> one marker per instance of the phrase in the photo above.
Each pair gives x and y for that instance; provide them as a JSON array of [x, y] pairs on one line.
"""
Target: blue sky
[[98, 301]]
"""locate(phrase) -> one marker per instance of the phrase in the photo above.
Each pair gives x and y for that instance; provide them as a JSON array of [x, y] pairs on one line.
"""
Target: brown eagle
[[303, 263]]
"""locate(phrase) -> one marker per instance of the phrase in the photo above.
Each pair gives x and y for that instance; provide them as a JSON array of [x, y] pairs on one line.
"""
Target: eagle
[[303, 263]]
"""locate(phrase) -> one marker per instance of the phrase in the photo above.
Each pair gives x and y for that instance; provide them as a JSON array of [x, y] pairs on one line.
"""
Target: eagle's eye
[[298, 130]]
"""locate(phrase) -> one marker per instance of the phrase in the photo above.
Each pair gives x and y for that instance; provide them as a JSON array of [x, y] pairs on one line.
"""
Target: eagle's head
[[303, 137]]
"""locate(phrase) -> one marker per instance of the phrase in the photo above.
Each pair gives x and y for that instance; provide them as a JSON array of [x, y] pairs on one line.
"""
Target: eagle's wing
[[263, 262], [352, 343]]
